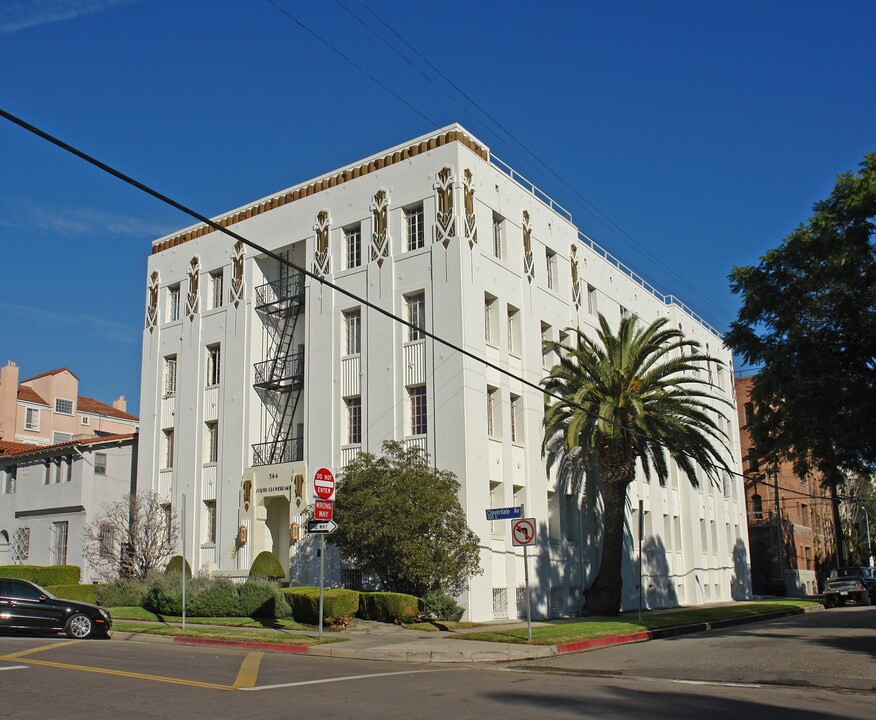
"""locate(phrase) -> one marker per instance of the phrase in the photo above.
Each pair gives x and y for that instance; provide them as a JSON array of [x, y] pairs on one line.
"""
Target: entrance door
[[277, 526]]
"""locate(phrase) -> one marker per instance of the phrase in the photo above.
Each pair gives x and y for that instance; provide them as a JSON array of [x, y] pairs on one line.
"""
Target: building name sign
[[274, 489]]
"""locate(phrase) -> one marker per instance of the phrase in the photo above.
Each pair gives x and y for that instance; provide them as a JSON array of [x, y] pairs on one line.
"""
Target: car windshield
[[850, 572]]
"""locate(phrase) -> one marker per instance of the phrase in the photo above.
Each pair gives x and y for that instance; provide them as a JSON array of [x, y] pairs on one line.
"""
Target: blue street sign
[[509, 513]]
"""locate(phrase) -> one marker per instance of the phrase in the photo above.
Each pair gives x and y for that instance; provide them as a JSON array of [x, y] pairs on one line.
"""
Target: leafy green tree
[[401, 518], [635, 397], [808, 317]]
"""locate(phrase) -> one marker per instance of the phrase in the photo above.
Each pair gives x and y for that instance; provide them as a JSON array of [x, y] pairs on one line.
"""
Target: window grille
[[556, 601], [63, 407], [500, 603]]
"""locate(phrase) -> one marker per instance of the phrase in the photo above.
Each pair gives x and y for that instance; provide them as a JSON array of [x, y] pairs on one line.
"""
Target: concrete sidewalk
[[366, 640]]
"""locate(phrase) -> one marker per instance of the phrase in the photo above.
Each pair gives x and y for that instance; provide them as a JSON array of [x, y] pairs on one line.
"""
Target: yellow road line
[[122, 673], [31, 651], [249, 670]]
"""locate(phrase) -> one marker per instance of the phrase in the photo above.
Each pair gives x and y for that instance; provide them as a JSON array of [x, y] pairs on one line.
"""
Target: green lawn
[[436, 625], [242, 635], [138, 613], [587, 629]]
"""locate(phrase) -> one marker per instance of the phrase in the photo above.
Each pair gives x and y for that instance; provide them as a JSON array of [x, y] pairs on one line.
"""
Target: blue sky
[[685, 137]]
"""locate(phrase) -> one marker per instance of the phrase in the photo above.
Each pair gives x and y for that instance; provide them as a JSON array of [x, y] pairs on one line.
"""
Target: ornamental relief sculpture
[[237, 273], [471, 228], [576, 283], [445, 219], [192, 298], [528, 263], [152, 302], [321, 258], [379, 224]]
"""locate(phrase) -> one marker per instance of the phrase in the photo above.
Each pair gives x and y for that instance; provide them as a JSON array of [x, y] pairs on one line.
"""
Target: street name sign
[[523, 532], [506, 513], [323, 510], [323, 485], [317, 527]]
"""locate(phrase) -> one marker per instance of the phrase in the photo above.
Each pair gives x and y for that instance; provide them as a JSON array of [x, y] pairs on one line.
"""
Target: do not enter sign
[[523, 532], [324, 485]]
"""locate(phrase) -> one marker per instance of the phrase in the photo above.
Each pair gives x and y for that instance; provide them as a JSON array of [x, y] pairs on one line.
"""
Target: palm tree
[[634, 397]]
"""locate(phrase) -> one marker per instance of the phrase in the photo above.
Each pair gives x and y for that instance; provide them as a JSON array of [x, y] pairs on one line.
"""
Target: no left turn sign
[[523, 532]]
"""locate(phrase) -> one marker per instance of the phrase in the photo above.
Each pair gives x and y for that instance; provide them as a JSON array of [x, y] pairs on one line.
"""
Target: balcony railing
[[278, 451], [290, 287], [286, 371]]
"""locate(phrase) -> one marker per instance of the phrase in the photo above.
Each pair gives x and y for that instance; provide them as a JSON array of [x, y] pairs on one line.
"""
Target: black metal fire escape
[[280, 378]]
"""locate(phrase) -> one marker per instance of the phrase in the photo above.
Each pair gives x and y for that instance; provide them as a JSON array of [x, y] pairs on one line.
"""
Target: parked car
[[26, 606], [852, 583]]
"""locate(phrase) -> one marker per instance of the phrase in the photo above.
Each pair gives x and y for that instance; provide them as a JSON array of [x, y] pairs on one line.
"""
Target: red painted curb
[[603, 642], [270, 647]]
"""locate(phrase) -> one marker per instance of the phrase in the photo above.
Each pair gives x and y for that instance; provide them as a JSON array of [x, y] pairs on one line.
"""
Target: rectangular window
[[173, 303], [498, 235], [749, 414], [419, 421], [547, 349], [210, 521], [168, 449], [212, 442], [513, 330], [216, 286], [100, 463], [591, 300], [491, 329], [353, 332], [416, 315], [354, 420], [214, 362], [63, 407], [353, 244], [492, 420], [59, 543], [170, 376], [85, 420], [516, 408], [105, 541], [753, 462], [551, 268], [60, 437], [415, 227], [31, 419], [623, 312]]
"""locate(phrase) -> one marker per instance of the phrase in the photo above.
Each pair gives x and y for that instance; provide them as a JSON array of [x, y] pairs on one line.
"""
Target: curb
[[244, 645]]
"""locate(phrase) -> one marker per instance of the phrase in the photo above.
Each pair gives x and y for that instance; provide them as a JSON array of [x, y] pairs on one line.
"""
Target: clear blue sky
[[703, 131]]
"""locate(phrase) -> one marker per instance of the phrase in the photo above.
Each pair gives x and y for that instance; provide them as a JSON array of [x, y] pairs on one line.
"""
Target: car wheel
[[865, 598], [79, 626], [828, 603]]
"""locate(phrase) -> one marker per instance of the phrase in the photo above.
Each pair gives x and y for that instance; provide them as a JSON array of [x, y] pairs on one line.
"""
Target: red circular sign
[[324, 484]]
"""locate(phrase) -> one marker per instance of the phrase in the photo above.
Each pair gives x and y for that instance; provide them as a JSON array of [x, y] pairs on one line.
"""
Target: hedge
[[43, 575], [80, 593], [263, 599], [389, 607], [122, 593], [339, 605]]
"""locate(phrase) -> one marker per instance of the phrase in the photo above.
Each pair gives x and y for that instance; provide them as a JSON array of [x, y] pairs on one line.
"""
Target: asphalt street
[[51, 677]]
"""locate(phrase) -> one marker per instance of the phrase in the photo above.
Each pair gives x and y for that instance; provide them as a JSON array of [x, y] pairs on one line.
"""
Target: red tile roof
[[52, 372], [28, 394], [24, 448], [90, 405], [8, 447]]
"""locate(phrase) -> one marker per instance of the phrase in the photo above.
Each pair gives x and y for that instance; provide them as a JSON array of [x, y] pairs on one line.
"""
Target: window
[[419, 422], [59, 543], [11, 476], [173, 303], [757, 506], [168, 449], [63, 407], [210, 521], [624, 313], [214, 362], [170, 376], [353, 244], [570, 521], [492, 420], [31, 419], [547, 350], [85, 420], [516, 420], [753, 462], [416, 315], [167, 511], [353, 332], [749, 414], [20, 545], [216, 286], [415, 227], [496, 500], [105, 540], [212, 442], [804, 514], [491, 329], [719, 376], [498, 235], [100, 463], [591, 300], [22, 590], [513, 330], [564, 341], [551, 266], [354, 420]]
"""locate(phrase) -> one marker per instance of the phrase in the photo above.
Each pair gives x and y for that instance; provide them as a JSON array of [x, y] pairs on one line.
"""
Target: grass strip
[[436, 625], [138, 613], [223, 634], [589, 629]]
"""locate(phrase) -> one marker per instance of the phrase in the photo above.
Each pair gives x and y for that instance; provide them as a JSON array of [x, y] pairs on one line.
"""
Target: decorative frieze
[[576, 283], [471, 228], [380, 227], [192, 298], [321, 256], [152, 302], [445, 218], [528, 262], [237, 273]]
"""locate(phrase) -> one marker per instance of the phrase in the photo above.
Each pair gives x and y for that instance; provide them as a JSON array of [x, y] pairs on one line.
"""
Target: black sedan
[[26, 606]]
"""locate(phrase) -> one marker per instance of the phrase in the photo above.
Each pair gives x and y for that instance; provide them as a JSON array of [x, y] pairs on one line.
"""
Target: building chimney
[[121, 404], [8, 399]]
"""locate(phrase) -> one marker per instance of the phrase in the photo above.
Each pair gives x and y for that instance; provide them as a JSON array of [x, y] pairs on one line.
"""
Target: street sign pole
[[641, 530], [528, 595], [183, 533], [321, 579]]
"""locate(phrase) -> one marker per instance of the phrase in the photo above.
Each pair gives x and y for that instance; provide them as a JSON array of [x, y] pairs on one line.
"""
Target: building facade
[[47, 409], [790, 524], [49, 493], [255, 375]]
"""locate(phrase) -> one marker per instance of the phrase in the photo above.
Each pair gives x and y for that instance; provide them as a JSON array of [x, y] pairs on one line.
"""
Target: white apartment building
[[254, 375]]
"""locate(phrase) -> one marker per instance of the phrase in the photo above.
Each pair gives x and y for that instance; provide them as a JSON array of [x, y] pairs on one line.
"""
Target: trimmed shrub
[[267, 566], [389, 607], [122, 593], [339, 605], [175, 565], [263, 599], [164, 593], [43, 575], [211, 597], [80, 593], [441, 606]]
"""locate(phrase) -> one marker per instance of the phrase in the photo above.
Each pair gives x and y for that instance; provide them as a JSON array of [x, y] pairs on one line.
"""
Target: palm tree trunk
[[604, 596]]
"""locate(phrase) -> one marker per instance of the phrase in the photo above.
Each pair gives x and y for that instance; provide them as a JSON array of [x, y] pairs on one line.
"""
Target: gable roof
[[26, 449], [52, 372], [28, 394], [96, 407]]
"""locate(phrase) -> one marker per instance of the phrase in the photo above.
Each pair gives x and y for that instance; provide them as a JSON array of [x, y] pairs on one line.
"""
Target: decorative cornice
[[327, 182]]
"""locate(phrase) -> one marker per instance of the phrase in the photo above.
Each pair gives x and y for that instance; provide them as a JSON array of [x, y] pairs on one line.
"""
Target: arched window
[[756, 507]]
